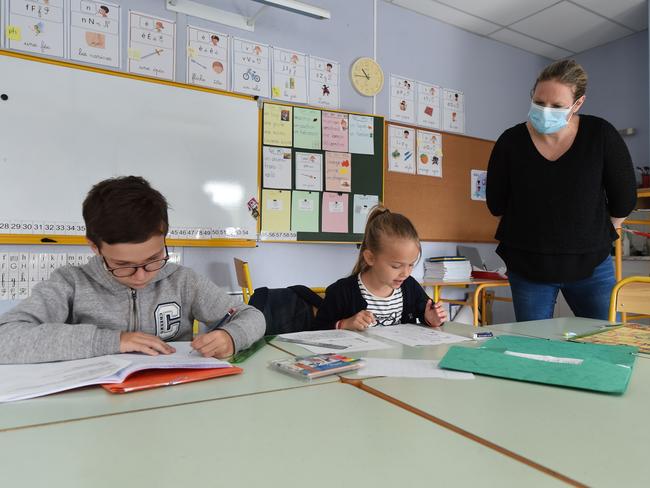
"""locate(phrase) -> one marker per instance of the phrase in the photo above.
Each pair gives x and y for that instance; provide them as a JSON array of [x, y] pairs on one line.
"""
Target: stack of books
[[447, 268]]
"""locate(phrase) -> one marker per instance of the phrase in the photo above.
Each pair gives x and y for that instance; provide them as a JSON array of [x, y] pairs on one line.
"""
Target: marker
[[483, 335]]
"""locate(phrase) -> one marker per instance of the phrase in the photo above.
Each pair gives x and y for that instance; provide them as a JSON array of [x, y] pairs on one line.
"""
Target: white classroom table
[[95, 401], [320, 436]]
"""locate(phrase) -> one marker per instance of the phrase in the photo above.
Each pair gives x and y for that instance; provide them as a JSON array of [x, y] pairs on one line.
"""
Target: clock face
[[367, 76]]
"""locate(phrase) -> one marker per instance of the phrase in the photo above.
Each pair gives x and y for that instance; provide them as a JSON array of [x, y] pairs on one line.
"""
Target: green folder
[[596, 367]]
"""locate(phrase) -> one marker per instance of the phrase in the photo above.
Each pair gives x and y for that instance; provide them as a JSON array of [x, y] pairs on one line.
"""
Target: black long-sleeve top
[[343, 299], [555, 223]]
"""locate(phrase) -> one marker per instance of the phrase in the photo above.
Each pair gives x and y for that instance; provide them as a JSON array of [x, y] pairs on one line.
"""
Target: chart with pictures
[[208, 58], [322, 172], [152, 46]]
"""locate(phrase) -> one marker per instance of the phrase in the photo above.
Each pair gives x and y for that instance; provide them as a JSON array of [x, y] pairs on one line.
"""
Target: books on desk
[[23, 381], [447, 268]]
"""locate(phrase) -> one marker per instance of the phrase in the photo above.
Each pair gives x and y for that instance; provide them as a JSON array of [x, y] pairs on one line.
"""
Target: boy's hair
[[383, 223], [124, 209], [567, 72]]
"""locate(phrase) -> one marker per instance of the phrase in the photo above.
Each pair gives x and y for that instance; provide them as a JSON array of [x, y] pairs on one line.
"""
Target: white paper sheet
[[22, 381], [416, 335], [352, 340], [409, 368]]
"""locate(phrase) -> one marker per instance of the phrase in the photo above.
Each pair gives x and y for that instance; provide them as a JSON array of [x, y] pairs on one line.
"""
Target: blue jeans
[[586, 298]]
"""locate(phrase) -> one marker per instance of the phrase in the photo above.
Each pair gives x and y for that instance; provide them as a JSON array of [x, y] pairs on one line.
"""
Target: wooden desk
[[477, 296], [95, 401], [317, 436]]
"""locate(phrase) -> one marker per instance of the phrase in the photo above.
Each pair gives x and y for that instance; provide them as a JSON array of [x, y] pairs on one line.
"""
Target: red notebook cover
[[153, 378], [488, 275]]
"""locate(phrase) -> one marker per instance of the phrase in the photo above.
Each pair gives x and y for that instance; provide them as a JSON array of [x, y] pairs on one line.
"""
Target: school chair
[[631, 294], [244, 279]]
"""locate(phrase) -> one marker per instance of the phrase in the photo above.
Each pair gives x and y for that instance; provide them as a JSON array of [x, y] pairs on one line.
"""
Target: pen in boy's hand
[[219, 324]]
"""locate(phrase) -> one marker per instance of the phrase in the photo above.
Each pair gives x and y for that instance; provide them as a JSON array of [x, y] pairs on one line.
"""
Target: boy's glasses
[[126, 271]]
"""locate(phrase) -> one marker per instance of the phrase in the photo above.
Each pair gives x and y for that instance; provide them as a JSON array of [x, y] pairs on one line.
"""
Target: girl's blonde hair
[[381, 224], [567, 72]]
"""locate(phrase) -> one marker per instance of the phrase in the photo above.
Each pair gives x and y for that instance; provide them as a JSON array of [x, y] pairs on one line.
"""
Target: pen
[[222, 322]]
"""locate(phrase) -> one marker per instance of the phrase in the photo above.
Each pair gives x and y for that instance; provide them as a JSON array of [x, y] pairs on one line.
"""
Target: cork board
[[441, 208]]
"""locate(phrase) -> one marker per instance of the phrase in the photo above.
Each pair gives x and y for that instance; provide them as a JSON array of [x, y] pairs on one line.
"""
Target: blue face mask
[[547, 120]]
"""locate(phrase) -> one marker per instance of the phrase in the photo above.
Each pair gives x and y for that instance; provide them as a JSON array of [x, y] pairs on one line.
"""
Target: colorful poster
[[306, 128], [309, 171], [335, 131], [454, 110], [207, 58], [251, 72], [289, 76], [335, 212], [324, 81], [152, 46], [362, 205], [276, 167], [276, 210], [429, 153], [277, 125], [338, 171], [305, 209], [36, 27], [401, 149], [428, 105], [479, 179], [402, 99], [95, 32], [362, 131]]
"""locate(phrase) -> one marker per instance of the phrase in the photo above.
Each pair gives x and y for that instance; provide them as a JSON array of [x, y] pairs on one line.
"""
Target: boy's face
[[133, 254]]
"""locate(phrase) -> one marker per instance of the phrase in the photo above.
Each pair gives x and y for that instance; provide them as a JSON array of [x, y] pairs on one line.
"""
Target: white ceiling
[[551, 28]]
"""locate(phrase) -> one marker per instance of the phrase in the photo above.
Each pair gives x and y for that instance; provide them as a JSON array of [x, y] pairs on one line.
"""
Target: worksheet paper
[[309, 171], [416, 335], [409, 368], [276, 167], [353, 341], [22, 381]]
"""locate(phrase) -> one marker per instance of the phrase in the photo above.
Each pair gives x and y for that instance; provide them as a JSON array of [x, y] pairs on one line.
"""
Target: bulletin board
[[66, 127], [321, 173], [441, 208]]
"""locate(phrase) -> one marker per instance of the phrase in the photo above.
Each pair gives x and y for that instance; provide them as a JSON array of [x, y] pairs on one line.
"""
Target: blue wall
[[495, 78]]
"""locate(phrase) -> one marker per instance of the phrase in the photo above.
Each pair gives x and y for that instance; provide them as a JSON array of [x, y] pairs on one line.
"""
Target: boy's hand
[[146, 343], [434, 315], [217, 343], [359, 321]]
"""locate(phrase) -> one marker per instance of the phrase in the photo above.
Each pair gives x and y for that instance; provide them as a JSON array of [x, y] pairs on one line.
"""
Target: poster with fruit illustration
[[429, 153], [338, 172]]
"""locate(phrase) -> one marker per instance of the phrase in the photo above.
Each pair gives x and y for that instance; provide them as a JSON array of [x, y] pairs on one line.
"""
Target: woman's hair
[[382, 224], [567, 72]]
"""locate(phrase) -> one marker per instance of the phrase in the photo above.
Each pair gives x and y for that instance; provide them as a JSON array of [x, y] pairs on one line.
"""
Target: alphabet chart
[[429, 153], [251, 73], [289, 76], [402, 99], [454, 110], [152, 46], [95, 32], [428, 105], [207, 58], [36, 26], [401, 149], [324, 81]]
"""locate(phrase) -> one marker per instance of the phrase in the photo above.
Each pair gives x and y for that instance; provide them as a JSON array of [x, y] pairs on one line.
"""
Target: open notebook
[[22, 381]]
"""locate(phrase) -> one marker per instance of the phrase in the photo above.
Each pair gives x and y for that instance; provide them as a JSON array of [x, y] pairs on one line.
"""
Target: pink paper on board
[[335, 212], [335, 131]]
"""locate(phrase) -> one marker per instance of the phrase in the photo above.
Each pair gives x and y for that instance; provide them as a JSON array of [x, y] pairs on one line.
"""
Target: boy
[[128, 298]]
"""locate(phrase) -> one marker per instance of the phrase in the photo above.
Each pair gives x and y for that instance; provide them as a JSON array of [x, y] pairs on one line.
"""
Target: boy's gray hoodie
[[80, 311]]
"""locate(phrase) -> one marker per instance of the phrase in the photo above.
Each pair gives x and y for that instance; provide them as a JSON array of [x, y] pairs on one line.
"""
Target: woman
[[561, 183]]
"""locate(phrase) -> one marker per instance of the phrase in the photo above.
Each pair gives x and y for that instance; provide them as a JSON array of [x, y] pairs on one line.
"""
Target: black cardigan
[[343, 300]]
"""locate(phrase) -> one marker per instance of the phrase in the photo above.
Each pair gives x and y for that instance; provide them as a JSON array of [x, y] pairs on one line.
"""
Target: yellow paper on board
[[191, 52], [278, 125], [276, 210], [13, 33], [134, 54], [275, 92]]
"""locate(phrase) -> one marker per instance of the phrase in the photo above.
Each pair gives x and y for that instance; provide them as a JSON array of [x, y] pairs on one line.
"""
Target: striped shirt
[[387, 311]]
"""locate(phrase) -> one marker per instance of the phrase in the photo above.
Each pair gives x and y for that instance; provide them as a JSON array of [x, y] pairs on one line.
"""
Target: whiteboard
[[63, 129]]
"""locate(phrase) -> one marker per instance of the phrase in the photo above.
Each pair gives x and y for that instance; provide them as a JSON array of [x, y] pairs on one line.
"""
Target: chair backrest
[[630, 295], [244, 278]]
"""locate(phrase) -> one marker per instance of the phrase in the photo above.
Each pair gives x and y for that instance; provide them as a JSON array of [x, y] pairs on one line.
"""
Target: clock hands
[[364, 72]]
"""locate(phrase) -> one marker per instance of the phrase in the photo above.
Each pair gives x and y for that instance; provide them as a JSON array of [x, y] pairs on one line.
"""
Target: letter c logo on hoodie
[[168, 320]]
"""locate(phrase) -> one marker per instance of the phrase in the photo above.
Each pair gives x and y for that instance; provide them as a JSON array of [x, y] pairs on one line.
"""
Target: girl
[[380, 290]]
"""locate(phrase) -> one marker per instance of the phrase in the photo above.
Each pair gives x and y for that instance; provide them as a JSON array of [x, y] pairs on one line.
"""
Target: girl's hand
[[359, 321], [434, 315]]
